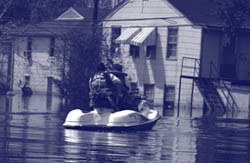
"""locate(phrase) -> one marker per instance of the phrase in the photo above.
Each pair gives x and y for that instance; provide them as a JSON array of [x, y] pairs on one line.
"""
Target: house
[[156, 39], [34, 49]]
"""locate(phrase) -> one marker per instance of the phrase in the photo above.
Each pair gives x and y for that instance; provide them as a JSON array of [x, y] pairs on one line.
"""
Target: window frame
[[172, 43], [52, 47], [29, 48], [134, 51], [148, 50], [134, 85], [114, 37], [152, 95], [29, 51], [171, 94], [27, 79]]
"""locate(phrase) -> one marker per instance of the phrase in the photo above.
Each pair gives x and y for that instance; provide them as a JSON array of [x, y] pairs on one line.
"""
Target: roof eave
[[113, 11]]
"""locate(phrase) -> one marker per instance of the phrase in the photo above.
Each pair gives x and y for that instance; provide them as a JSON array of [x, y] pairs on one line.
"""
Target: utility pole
[[95, 16], [95, 12]]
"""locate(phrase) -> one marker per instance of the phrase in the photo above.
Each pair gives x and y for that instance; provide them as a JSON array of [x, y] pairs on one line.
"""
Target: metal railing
[[194, 64], [190, 68], [223, 87]]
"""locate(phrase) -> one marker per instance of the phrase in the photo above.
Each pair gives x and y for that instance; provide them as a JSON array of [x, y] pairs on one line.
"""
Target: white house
[[35, 46], [153, 37], [156, 38]]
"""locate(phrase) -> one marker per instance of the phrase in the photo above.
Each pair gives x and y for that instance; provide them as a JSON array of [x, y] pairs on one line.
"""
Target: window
[[115, 33], [170, 94], [172, 42], [52, 47], [149, 92], [134, 88], [27, 80], [134, 51], [29, 51], [151, 52], [134, 85]]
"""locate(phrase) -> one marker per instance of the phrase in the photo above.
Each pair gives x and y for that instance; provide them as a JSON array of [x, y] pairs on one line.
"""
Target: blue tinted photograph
[[124, 81]]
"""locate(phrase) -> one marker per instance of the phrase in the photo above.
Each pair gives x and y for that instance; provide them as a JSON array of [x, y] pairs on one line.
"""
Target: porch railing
[[214, 73]]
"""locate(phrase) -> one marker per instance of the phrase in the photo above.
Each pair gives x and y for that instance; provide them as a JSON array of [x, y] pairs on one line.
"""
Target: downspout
[[201, 51]]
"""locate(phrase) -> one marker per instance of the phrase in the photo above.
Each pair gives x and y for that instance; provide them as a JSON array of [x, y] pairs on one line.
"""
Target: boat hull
[[126, 120], [140, 127]]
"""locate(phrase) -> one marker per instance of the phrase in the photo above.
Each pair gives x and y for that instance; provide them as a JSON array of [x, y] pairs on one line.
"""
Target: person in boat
[[127, 98], [122, 89], [101, 89]]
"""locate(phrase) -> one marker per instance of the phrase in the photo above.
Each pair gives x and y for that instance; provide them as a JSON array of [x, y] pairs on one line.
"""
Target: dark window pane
[[52, 46], [134, 51], [151, 52], [115, 33], [149, 92], [172, 41]]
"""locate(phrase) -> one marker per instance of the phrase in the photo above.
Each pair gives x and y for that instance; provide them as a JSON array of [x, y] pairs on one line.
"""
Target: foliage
[[234, 13], [81, 52]]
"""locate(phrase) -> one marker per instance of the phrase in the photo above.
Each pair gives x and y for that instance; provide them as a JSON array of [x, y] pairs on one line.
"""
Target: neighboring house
[[153, 36], [34, 49]]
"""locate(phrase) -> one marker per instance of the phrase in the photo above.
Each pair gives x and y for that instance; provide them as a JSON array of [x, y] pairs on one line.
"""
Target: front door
[[228, 63]]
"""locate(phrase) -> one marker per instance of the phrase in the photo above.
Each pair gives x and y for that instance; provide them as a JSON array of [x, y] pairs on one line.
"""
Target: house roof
[[73, 18], [199, 12], [115, 9], [53, 27]]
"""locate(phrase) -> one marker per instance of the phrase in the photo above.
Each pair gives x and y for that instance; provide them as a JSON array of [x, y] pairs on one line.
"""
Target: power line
[[50, 25], [135, 19]]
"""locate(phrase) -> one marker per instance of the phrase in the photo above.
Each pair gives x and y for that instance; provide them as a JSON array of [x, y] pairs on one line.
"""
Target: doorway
[[169, 98]]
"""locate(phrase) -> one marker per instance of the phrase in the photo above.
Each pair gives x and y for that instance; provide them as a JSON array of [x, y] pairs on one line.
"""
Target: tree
[[81, 52], [15, 13], [234, 14]]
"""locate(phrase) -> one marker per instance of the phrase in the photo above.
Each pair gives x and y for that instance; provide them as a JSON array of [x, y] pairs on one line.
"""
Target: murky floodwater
[[31, 131]]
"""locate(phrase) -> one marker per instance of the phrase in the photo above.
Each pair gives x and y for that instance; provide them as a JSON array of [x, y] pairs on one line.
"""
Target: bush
[[80, 54]]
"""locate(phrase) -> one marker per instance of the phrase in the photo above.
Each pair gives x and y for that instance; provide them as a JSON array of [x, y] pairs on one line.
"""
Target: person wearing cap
[[122, 89], [101, 88]]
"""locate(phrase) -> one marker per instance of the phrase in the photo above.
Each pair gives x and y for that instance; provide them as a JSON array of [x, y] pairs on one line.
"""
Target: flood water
[[31, 131]]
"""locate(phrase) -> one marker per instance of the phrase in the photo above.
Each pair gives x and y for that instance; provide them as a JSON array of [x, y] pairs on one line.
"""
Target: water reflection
[[223, 141], [166, 143], [30, 131]]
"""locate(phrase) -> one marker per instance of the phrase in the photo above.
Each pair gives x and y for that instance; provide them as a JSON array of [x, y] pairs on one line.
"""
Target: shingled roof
[[58, 26]]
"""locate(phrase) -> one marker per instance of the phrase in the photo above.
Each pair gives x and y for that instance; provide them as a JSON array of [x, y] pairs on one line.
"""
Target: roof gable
[[147, 13], [196, 12], [70, 14]]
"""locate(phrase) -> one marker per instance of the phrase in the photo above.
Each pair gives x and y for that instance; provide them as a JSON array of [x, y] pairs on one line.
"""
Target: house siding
[[212, 46], [40, 69], [159, 71], [243, 56]]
